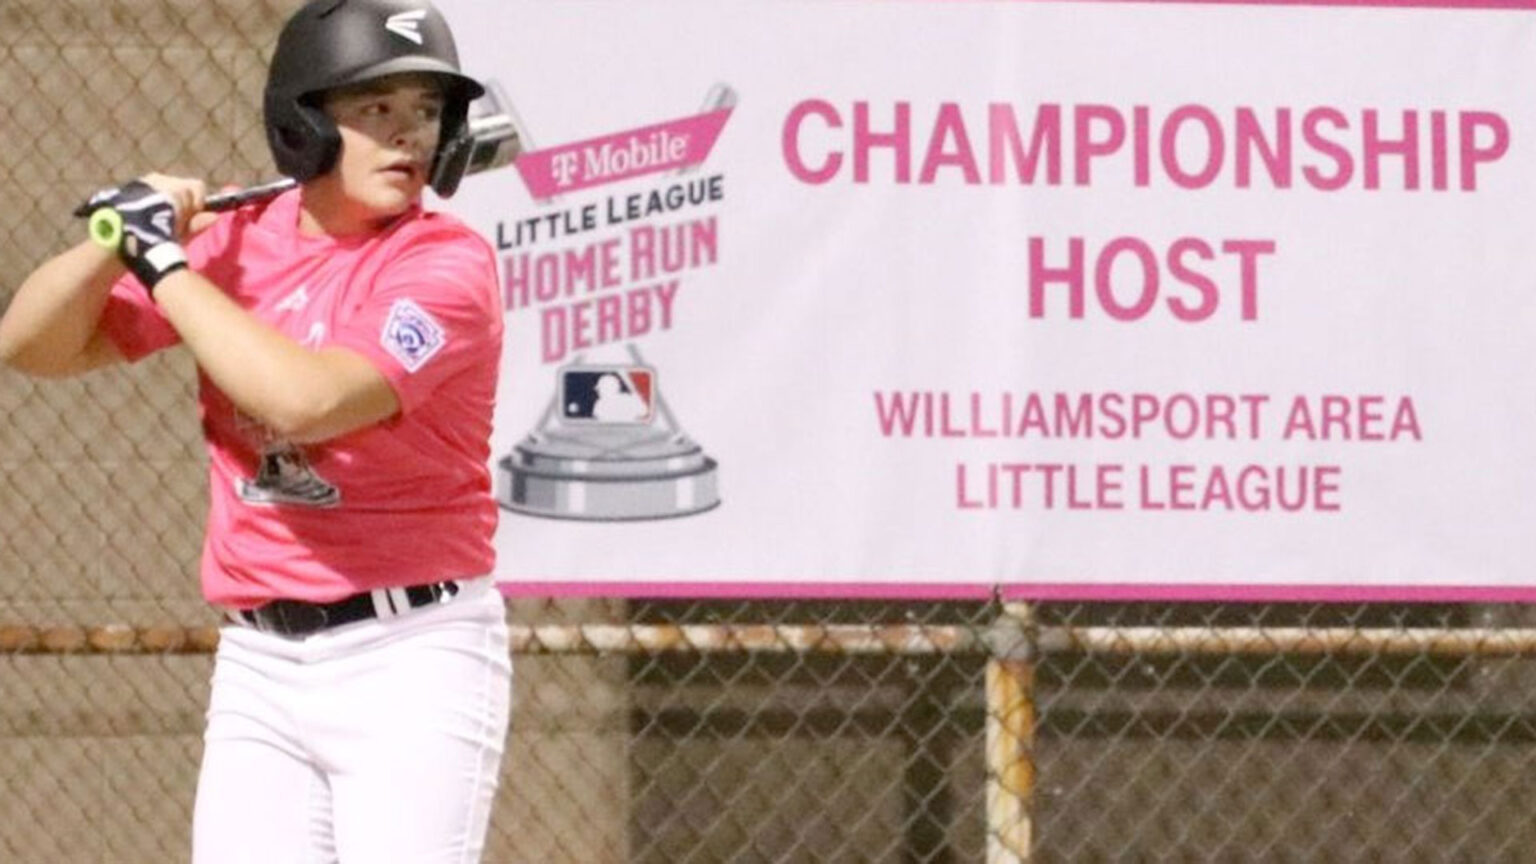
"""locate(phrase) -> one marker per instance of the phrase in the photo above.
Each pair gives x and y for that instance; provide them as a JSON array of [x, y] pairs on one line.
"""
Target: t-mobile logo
[[564, 165]]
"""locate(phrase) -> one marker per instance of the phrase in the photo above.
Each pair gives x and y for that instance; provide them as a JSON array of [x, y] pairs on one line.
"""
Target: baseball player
[[347, 343]]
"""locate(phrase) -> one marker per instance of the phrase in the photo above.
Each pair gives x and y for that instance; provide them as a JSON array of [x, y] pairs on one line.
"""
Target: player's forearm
[[301, 394], [55, 313]]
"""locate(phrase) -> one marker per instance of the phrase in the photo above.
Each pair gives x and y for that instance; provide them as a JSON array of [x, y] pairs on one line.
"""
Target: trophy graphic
[[607, 449]]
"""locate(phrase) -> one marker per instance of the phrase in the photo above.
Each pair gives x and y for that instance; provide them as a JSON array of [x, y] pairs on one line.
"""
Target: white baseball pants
[[375, 742]]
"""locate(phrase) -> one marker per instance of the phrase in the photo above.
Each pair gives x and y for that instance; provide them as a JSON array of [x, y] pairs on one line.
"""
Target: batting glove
[[148, 245]]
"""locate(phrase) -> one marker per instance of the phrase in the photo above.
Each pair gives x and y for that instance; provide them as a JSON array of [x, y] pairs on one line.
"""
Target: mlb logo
[[607, 394]]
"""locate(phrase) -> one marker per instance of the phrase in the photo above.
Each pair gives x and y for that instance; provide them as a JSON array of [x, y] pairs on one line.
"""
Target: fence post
[[1010, 735]]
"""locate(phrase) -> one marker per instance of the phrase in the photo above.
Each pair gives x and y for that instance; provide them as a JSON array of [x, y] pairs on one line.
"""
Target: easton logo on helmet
[[406, 24]]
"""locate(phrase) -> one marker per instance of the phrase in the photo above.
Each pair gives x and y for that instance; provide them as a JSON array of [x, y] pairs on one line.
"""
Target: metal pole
[[1010, 736]]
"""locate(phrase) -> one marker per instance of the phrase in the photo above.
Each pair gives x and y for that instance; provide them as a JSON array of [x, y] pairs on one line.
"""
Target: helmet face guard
[[334, 43]]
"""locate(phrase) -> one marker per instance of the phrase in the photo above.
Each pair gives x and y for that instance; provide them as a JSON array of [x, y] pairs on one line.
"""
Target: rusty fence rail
[[1022, 733], [1010, 643], [899, 639]]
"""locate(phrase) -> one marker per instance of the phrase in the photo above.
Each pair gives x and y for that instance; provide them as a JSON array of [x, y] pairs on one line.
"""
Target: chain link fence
[[674, 732]]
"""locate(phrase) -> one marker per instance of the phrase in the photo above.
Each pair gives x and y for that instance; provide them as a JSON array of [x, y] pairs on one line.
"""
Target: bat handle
[[231, 200], [106, 224]]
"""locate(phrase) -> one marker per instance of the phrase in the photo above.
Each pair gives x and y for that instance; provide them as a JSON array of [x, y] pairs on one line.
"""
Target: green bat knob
[[106, 227]]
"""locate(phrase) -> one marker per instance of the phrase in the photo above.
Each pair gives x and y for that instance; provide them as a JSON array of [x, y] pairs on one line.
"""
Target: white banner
[[1080, 299]]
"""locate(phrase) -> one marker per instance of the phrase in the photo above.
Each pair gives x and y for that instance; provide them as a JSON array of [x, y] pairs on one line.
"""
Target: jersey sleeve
[[133, 322], [430, 314]]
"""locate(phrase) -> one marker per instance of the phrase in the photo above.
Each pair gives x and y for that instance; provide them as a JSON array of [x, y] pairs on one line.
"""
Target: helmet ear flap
[[453, 147], [450, 165], [304, 140]]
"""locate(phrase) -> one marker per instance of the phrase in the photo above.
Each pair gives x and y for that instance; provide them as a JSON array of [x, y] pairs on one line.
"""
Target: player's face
[[389, 131]]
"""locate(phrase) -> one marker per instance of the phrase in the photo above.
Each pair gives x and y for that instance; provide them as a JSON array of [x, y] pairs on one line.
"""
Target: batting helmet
[[333, 43]]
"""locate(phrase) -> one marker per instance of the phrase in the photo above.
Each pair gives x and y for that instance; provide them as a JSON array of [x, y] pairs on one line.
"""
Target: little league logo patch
[[411, 335]]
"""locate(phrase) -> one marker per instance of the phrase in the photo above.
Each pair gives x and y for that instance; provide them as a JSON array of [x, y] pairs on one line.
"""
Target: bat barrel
[[496, 143]]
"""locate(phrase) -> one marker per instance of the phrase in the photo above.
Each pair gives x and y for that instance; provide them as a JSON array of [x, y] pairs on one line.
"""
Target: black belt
[[297, 618]]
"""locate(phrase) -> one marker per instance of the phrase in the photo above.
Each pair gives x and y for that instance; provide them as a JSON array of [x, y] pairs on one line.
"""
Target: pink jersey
[[405, 502]]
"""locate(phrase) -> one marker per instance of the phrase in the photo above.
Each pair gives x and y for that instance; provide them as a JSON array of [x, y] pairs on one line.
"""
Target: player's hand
[[205, 218], [186, 195], [153, 212]]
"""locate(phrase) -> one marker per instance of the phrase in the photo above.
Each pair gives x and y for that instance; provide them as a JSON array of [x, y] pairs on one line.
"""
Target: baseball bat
[[493, 143]]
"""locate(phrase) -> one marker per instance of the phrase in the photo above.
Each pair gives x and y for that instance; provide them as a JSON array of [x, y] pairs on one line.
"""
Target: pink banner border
[[1073, 591], [1047, 591], [1375, 4]]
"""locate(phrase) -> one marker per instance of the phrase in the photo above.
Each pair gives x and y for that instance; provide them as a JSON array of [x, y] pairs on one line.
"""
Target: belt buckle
[[293, 618]]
